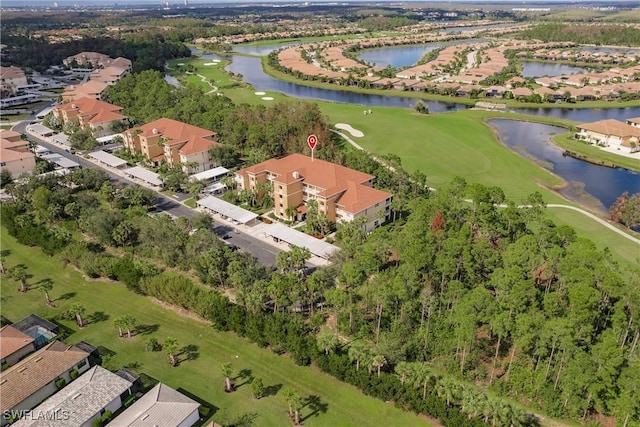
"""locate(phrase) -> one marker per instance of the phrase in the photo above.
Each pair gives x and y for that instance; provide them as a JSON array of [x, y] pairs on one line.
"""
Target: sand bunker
[[354, 132], [180, 63], [260, 93], [267, 98], [206, 64]]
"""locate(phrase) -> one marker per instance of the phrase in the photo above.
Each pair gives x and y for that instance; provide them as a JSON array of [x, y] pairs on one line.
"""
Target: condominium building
[[173, 142], [343, 194], [15, 155], [99, 116]]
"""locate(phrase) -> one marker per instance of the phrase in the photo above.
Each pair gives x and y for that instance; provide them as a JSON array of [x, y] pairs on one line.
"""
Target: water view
[[397, 56], [540, 69], [533, 140]]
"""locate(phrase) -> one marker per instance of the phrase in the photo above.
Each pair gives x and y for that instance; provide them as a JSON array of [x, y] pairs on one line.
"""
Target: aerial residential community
[[354, 214]]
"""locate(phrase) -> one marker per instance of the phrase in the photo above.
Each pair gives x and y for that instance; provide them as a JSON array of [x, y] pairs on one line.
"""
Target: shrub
[[60, 382], [74, 374]]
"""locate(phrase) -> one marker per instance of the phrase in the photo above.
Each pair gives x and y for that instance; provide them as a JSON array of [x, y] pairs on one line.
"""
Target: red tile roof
[[195, 139], [12, 340], [330, 178], [611, 127]]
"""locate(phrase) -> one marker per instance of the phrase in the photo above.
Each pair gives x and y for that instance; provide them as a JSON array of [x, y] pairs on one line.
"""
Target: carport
[[108, 159], [293, 237], [228, 210], [144, 175]]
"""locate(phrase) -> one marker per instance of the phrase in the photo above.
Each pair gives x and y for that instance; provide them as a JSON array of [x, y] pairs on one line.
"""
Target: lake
[[396, 56], [540, 69], [251, 70], [592, 185]]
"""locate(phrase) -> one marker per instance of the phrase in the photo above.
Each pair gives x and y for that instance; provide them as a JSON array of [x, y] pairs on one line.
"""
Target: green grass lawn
[[568, 143], [200, 376], [190, 202]]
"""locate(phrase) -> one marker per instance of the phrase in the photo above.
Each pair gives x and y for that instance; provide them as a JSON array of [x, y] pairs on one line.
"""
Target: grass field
[[568, 143], [340, 404]]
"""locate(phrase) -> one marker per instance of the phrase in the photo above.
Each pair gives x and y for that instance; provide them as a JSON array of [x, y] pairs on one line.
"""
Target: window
[[280, 204], [81, 364]]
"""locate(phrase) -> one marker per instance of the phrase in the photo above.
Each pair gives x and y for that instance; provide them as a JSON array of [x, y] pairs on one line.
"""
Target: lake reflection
[[602, 183]]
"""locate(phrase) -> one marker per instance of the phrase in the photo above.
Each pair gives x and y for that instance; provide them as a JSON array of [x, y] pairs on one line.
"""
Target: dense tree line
[[600, 34], [146, 51], [257, 132]]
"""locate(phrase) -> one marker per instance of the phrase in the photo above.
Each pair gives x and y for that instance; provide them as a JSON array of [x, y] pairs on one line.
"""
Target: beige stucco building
[[342, 194]]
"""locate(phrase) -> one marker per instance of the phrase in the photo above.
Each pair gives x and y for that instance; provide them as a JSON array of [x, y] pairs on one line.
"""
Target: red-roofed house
[[342, 194], [611, 133], [174, 142], [14, 153], [99, 116]]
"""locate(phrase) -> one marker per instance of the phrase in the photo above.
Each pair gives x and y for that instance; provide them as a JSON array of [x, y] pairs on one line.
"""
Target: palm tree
[[420, 375], [358, 352], [124, 322], [378, 362], [403, 369], [46, 286], [473, 402], [293, 400], [128, 322], [19, 273], [291, 212], [78, 310], [327, 341], [227, 371], [170, 346], [118, 323], [448, 389]]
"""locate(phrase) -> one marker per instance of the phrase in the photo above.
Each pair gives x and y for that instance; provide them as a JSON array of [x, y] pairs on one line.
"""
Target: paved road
[[264, 252]]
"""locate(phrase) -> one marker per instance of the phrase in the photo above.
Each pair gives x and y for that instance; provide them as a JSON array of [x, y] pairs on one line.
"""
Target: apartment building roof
[[93, 110], [7, 73], [331, 179], [81, 399], [90, 88], [36, 371], [12, 340], [195, 139]]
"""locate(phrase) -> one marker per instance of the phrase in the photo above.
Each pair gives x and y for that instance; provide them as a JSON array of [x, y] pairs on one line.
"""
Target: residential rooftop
[[36, 371], [80, 401]]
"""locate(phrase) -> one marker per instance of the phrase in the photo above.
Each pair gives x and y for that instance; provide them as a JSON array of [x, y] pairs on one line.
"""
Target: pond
[[540, 69], [396, 56], [592, 185]]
